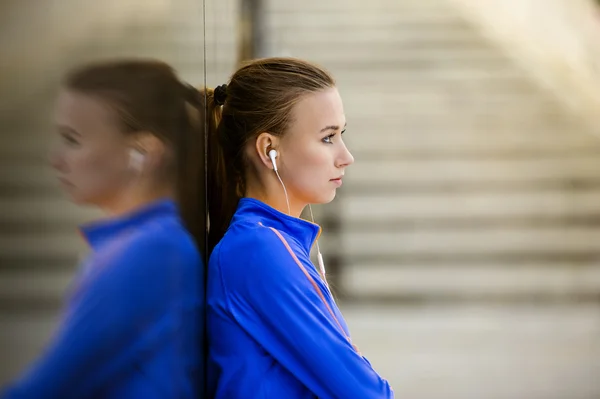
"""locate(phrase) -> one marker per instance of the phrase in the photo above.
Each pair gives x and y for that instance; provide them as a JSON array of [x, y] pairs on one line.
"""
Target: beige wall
[[37, 36], [557, 40]]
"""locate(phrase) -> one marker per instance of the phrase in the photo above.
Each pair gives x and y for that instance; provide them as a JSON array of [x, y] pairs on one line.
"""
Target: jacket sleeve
[[118, 314], [272, 299]]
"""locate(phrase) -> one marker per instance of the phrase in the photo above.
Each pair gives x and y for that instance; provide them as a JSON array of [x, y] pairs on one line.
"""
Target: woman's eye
[[69, 139], [328, 139]]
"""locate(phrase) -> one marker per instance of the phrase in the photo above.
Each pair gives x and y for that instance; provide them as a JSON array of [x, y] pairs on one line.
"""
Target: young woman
[[275, 146], [131, 144]]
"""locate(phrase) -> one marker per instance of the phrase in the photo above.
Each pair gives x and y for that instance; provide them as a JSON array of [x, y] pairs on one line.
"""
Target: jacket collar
[[255, 211], [100, 231]]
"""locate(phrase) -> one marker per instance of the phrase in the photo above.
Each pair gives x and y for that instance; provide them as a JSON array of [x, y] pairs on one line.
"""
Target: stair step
[[439, 121], [454, 37], [398, 21], [456, 95], [39, 244], [36, 285], [398, 139], [467, 171], [28, 175], [45, 211], [482, 350], [507, 106], [568, 240], [425, 63], [566, 280], [396, 54], [178, 56], [465, 88], [394, 74], [383, 6], [469, 206]]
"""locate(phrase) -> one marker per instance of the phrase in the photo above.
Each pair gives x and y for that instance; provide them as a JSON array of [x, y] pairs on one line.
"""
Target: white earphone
[[273, 155], [136, 159]]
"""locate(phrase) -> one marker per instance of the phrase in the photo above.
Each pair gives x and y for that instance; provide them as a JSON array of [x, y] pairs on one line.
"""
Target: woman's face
[[312, 154], [91, 156]]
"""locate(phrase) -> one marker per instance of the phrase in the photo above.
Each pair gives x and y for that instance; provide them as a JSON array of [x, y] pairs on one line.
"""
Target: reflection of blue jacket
[[274, 329], [133, 325]]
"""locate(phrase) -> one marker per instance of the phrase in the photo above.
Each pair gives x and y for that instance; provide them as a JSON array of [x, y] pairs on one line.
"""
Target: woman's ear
[[264, 143], [151, 147]]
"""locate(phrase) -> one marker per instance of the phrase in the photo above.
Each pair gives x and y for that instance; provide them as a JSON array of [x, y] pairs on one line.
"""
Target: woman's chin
[[78, 199], [327, 199]]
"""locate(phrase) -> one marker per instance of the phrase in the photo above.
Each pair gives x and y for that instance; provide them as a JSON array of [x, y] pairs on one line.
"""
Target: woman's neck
[[277, 202], [129, 202]]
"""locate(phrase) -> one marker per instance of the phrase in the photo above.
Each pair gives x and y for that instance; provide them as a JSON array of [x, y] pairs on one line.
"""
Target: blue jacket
[[133, 325], [274, 329]]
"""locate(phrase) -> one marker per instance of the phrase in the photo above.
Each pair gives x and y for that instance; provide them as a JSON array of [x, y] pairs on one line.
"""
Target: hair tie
[[220, 94]]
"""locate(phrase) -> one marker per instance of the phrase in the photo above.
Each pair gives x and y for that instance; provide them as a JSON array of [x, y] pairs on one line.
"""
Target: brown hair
[[148, 96], [260, 97]]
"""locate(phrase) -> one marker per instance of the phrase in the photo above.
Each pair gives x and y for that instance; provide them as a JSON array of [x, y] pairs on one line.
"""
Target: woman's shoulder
[[250, 250], [154, 242], [247, 238]]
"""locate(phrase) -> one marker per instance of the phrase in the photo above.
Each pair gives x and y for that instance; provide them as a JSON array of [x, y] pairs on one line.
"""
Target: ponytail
[[190, 174], [219, 191], [224, 193]]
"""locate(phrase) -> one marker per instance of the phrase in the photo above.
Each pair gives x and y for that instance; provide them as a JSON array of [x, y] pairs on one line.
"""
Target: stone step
[[29, 175], [401, 62], [467, 171], [464, 207], [63, 245], [476, 122], [398, 21], [402, 84], [443, 104], [482, 351], [382, 6], [392, 53], [456, 37], [439, 94], [180, 56], [34, 285], [47, 211], [397, 139], [393, 76], [485, 280], [391, 241]]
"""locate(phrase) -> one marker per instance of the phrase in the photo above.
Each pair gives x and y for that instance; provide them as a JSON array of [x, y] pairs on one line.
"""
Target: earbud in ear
[[136, 159], [273, 155]]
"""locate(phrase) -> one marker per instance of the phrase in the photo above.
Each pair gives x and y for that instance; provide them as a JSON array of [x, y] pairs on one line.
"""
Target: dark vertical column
[[252, 30]]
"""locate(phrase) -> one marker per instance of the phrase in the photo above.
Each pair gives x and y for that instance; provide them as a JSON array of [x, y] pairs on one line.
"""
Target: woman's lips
[[337, 181], [65, 182]]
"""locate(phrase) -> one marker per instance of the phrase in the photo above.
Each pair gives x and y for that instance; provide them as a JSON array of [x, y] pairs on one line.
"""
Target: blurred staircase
[[470, 182]]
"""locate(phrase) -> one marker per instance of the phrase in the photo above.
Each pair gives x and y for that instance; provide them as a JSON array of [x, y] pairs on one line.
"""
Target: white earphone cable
[[285, 192], [287, 200], [319, 256]]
